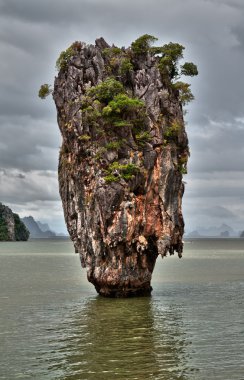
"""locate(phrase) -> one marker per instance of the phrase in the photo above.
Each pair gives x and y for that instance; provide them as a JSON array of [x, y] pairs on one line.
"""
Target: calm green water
[[54, 326]]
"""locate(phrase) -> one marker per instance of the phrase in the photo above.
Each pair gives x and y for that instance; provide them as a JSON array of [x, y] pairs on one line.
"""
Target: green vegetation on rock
[[84, 137], [182, 166], [106, 91], [121, 105], [142, 137], [44, 91], [142, 44], [172, 131], [171, 54], [125, 171], [125, 66], [64, 58], [185, 94], [20, 230], [111, 51], [113, 145], [4, 236], [189, 69], [182, 169], [107, 107], [11, 227]]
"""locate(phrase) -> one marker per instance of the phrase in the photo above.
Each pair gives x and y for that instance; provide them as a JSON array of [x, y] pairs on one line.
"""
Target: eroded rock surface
[[120, 217]]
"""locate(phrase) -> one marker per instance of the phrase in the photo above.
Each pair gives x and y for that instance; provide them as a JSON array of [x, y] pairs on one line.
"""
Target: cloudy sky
[[32, 34]]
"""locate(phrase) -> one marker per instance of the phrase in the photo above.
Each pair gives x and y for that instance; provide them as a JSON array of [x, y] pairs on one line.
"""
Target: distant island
[[11, 226], [37, 229], [223, 231]]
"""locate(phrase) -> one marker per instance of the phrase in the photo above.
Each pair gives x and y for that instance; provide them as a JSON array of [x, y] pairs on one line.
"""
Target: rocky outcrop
[[121, 162], [11, 227]]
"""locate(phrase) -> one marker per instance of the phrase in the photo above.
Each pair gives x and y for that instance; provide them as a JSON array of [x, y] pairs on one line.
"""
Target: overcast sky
[[32, 34]]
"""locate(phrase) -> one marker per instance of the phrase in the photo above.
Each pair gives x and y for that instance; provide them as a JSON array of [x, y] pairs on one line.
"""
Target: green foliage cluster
[[84, 137], [108, 102], [90, 110], [117, 61], [121, 123], [111, 178], [122, 104], [172, 131], [182, 167], [64, 57], [20, 230], [171, 54], [44, 90], [3, 230], [113, 145], [106, 108], [142, 44], [111, 51], [189, 69], [185, 94], [143, 136], [92, 113], [105, 91], [168, 65], [126, 171], [125, 66]]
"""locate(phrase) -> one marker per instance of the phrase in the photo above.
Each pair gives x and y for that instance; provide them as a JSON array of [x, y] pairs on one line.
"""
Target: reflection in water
[[119, 339]]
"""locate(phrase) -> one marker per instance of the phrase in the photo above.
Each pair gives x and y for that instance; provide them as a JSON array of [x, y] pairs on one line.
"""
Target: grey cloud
[[28, 144], [238, 31], [46, 11], [28, 188], [48, 173], [6, 173], [217, 212], [217, 147], [215, 188]]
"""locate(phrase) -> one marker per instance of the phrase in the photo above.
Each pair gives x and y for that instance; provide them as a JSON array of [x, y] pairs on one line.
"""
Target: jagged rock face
[[120, 221], [11, 227]]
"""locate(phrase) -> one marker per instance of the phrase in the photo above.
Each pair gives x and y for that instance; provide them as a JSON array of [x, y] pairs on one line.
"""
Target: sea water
[[54, 326]]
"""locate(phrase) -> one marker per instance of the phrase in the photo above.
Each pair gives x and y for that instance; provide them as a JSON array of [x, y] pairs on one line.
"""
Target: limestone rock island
[[11, 227], [122, 158]]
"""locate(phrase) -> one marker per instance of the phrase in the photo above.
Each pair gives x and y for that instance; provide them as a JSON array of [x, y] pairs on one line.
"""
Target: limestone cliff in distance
[[34, 227], [123, 155], [11, 227]]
